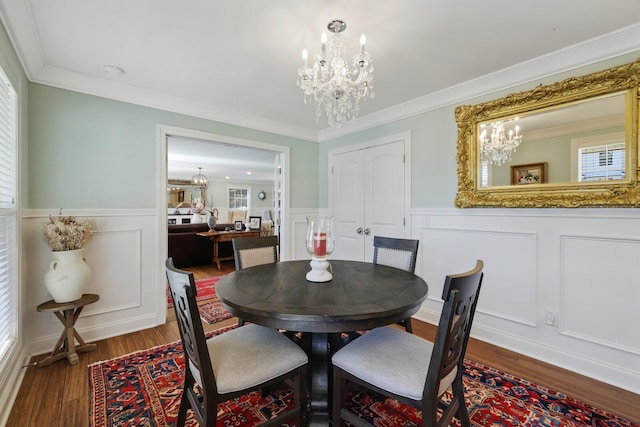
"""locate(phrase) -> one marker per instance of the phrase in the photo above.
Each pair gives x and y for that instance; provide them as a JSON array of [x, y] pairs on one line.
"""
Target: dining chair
[[234, 363], [398, 253], [410, 369], [252, 251]]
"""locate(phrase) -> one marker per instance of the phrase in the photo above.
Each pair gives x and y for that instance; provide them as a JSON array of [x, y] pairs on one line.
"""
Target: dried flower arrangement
[[66, 233]]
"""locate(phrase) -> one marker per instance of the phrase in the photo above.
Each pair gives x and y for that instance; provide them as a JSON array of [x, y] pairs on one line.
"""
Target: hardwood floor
[[57, 395]]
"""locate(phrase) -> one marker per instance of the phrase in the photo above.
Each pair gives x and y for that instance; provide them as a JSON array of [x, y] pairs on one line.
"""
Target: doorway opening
[[197, 149]]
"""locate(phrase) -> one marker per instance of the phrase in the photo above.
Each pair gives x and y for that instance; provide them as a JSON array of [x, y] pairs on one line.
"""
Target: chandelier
[[498, 147], [200, 180], [336, 84]]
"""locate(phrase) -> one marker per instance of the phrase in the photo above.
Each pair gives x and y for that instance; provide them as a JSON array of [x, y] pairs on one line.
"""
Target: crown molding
[[608, 46], [105, 88], [22, 33]]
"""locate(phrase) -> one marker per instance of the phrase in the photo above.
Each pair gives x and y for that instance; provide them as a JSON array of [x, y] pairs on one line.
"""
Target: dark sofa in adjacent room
[[189, 250]]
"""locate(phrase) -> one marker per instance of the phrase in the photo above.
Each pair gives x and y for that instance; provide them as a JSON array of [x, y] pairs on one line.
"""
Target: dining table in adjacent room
[[360, 296]]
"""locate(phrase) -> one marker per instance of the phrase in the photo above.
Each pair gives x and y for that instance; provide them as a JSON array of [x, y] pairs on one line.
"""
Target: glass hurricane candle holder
[[319, 244]]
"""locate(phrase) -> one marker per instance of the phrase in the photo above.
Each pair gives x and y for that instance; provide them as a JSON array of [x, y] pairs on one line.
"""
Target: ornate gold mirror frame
[[621, 193]]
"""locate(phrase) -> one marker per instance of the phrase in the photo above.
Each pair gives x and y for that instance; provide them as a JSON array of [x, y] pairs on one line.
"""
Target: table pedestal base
[[320, 360], [320, 349]]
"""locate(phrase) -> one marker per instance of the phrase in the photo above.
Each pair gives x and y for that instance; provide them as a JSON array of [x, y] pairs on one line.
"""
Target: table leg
[[69, 320], [66, 345], [216, 256], [57, 353]]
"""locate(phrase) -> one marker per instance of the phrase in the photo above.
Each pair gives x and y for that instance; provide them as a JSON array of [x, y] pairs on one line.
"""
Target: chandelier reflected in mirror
[[336, 84], [498, 147]]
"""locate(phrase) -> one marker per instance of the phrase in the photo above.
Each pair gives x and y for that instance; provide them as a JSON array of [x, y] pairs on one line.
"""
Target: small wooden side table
[[68, 313]]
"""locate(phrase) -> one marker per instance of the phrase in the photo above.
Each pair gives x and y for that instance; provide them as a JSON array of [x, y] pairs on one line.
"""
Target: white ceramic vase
[[67, 276]]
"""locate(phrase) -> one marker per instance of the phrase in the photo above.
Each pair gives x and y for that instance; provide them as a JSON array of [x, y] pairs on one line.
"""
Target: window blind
[[8, 217], [602, 162]]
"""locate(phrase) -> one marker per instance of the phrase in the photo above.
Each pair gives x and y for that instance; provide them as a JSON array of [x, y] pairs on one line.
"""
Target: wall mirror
[[181, 193], [573, 143]]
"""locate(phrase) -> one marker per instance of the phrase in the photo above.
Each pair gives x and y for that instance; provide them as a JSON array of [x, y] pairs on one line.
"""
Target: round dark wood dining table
[[360, 296]]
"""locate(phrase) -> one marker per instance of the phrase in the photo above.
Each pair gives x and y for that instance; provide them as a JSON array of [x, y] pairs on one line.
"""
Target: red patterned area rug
[[494, 398], [214, 311], [144, 388], [206, 289]]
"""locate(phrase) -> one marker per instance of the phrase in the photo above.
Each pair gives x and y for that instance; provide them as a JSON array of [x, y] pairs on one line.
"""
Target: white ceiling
[[236, 61], [219, 162]]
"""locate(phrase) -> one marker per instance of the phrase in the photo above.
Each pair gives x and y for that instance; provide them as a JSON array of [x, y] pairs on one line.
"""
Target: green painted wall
[[434, 143], [91, 152]]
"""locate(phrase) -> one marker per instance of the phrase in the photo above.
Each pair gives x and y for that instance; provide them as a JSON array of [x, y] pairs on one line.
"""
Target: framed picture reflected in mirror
[[532, 173]]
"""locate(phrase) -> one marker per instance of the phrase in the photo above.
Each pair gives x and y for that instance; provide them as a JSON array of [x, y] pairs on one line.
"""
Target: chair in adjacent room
[[398, 253], [234, 363], [403, 366]]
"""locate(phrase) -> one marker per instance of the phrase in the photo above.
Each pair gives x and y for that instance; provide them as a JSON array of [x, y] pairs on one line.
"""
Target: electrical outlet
[[551, 318]]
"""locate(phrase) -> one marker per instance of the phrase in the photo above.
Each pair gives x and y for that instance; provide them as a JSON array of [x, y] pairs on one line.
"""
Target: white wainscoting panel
[[537, 262], [510, 286], [560, 285], [119, 270], [122, 256], [600, 299]]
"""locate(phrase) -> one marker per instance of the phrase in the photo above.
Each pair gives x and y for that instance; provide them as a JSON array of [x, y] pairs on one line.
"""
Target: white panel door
[[368, 198], [384, 194], [348, 203]]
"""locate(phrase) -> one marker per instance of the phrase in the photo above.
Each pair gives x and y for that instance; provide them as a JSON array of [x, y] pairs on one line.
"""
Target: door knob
[[367, 231], [359, 230]]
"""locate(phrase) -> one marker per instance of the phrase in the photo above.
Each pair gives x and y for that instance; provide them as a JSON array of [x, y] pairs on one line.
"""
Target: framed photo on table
[[255, 222], [237, 225], [532, 173]]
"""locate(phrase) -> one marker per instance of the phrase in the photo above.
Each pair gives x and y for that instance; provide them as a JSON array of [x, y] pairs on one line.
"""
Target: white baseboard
[[610, 374]]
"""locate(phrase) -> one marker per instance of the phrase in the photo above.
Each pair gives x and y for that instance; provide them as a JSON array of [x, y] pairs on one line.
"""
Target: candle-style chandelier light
[[336, 84], [498, 147]]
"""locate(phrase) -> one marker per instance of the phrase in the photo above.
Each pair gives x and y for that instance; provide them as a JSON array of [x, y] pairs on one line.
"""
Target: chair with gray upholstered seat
[[234, 363], [408, 368], [398, 253]]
